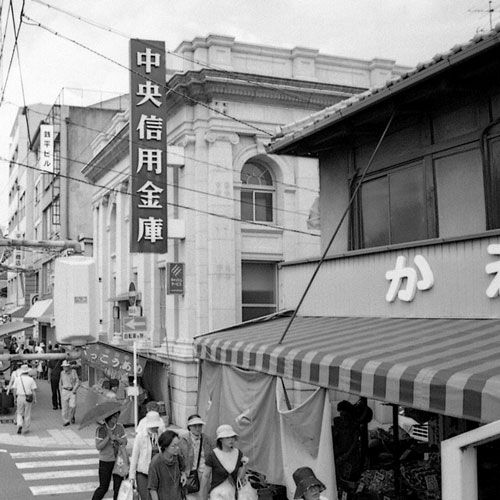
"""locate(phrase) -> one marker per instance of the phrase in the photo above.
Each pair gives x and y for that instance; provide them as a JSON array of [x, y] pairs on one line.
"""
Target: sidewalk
[[46, 429]]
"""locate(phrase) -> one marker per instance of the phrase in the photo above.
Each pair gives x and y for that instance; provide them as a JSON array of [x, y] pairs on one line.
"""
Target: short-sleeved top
[[69, 379], [107, 454], [219, 473], [165, 477], [24, 384]]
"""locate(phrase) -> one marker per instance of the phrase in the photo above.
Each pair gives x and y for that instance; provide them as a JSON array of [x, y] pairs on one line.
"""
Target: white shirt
[[24, 384]]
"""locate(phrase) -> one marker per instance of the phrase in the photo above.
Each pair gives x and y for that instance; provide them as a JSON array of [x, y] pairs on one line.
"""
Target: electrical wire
[[197, 160], [169, 89], [186, 207], [12, 55], [5, 32], [20, 72], [276, 88]]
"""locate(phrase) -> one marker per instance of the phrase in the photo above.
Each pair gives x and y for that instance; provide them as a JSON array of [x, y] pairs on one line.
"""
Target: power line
[[276, 88], [20, 71], [5, 32], [186, 207], [163, 84], [13, 52], [197, 160]]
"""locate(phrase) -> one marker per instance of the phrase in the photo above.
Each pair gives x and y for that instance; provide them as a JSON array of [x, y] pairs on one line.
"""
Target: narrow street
[[49, 461]]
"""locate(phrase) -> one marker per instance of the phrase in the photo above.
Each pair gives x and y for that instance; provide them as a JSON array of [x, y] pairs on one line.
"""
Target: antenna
[[490, 12]]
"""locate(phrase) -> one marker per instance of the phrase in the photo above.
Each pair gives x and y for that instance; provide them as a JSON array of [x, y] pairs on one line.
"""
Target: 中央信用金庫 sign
[[148, 152]]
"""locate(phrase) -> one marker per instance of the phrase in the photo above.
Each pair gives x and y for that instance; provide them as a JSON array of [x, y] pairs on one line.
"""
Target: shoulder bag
[[193, 480], [29, 397]]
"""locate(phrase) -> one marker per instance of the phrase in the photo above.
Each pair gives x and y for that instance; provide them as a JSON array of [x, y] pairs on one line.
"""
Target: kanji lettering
[[150, 127], [402, 272], [148, 59], [149, 92], [493, 289], [150, 197], [151, 159], [150, 229]]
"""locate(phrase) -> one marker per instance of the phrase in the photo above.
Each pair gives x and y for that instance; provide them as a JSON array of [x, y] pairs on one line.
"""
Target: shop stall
[[443, 367]]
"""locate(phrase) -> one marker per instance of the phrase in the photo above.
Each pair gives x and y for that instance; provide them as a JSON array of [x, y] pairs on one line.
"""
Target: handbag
[[29, 397], [193, 480], [122, 462], [245, 490], [127, 491]]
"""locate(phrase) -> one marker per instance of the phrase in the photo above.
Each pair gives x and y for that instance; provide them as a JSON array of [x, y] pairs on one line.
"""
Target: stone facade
[[225, 101]]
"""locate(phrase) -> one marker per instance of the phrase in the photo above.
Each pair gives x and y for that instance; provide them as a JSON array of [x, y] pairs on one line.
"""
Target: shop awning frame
[[41, 311], [13, 327], [446, 366]]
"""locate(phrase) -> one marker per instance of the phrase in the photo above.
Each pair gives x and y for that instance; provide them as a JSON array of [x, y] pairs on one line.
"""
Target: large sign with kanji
[[46, 151], [111, 360], [148, 151]]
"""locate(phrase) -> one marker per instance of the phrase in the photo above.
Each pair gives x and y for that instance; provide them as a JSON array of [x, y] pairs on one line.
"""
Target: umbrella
[[100, 412]]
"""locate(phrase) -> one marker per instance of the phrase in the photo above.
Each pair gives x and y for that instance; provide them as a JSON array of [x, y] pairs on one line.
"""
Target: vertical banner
[[148, 147], [46, 151]]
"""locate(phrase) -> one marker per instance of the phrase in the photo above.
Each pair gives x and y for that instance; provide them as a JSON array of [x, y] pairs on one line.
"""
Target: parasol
[[100, 412]]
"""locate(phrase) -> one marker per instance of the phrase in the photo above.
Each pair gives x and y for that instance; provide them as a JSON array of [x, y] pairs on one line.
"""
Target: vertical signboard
[[46, 151], [175, 278], [148, 155]]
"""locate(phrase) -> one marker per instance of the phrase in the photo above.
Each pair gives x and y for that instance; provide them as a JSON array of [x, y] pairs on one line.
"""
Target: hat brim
[[306, 484], [230, 435], [195, 421]]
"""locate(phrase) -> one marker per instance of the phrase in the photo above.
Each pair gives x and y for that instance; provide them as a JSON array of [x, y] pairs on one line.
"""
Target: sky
[[407, 31]]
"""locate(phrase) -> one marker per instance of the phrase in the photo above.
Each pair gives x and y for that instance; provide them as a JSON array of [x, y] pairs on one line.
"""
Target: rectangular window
[[258, 294], [393, 208], [494, 184], [257, 205]]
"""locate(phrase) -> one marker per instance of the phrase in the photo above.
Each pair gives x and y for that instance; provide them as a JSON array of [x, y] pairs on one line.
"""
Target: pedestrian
[[25, 387], [55, 369], [14, 373], [146, 447], [39, 349], [68, 385], [166, 475], [224, 465], [308, 486], [195, 448], [110, 435]]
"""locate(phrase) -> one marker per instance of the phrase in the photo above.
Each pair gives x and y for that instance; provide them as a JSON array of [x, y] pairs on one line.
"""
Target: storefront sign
[[105, 358], [46, 151], [409, 276], [175, 278], [148, 155]]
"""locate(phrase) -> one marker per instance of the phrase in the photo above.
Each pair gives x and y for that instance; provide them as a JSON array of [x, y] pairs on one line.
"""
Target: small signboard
[[175, 278], [133, 335], [46, 151], [134, 327], [134, 311]]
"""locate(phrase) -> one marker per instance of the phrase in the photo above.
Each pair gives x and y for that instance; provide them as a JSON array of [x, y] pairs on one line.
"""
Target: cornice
[[206, 84], [116, 149]]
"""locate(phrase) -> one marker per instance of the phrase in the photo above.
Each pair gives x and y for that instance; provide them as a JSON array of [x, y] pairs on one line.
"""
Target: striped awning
[[446, 366]]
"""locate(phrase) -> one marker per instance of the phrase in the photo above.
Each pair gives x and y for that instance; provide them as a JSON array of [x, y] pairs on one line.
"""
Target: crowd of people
[[167, 465], [61, 373]]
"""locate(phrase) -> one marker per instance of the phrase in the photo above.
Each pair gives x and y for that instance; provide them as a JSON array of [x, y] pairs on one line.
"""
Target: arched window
[[257, 192]]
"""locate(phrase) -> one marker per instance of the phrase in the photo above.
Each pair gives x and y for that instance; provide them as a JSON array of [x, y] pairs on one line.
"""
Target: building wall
[[215, 150], [448, 144]]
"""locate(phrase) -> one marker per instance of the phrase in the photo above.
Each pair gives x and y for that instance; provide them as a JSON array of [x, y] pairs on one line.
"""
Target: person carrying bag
[[193, 479]]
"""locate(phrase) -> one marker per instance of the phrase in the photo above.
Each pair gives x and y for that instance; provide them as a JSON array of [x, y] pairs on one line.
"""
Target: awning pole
[[337, 229], [285, 393], [396, 454]]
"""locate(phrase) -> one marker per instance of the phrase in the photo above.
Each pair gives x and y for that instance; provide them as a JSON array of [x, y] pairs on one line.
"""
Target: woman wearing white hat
[[25, 388], [195, 448], [145, 448], [224, 465]]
